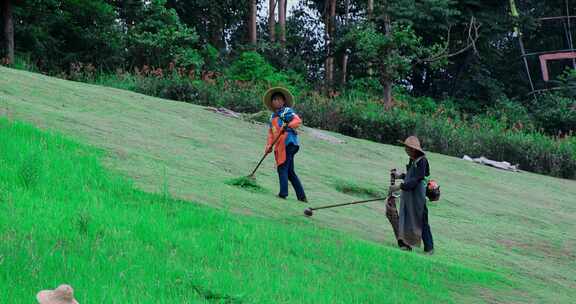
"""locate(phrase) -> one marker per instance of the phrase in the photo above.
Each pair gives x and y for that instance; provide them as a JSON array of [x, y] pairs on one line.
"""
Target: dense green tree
[[392, 53], [56, 33], [321, 40], [160, 38], [480, 76], [214, 21], [129, 11]]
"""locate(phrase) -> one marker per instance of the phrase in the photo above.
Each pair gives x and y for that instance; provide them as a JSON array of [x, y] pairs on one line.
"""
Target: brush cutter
[[391, 211], [251, 176], [310, 211]]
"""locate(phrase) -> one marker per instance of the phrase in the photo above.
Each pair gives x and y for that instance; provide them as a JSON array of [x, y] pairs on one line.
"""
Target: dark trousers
[[426, 233], [286, 173]]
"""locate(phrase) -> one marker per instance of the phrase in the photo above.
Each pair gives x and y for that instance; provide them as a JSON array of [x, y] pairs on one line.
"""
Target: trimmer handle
[[393, 181]]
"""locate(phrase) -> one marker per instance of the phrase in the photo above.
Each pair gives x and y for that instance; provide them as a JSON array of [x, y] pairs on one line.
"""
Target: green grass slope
[[65, 219], [518, 225]]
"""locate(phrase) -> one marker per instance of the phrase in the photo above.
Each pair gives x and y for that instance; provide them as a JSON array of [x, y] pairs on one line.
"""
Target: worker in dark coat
[[413, 225]]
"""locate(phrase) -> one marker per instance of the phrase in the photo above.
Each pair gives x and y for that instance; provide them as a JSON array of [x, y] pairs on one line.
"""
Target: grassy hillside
[[520, 226], [65, 219]]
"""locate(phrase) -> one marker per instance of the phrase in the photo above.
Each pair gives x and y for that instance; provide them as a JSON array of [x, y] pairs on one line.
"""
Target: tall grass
[[65, 219]]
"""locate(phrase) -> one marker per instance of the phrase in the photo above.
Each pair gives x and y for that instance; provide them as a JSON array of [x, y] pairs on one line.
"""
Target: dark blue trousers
[[286, 173], [426, 233]]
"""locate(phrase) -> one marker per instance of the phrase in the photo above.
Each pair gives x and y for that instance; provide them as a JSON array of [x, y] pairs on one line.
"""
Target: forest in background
[[449, 71]]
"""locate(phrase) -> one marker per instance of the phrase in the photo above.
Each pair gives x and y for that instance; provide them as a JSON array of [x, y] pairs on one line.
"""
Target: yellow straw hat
[[414, 143], [289, 99]]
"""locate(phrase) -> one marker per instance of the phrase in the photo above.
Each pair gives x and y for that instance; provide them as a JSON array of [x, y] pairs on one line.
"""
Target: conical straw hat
[[289, 99], [64, 294], [414, 143]]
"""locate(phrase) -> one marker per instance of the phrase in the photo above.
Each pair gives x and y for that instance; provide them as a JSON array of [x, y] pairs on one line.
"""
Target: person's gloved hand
[[394, 188], [268, 149]]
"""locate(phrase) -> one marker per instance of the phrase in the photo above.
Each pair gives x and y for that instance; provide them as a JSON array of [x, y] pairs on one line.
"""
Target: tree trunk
[[272, 20], [387, 92], [218, 33], [345, 55], [387, 24], [344, 68], [330, 31], [328, 64], [370, 11], [252, 22], [282, 21], [332, 22], [387, 82], [8, 28], [461, 67]]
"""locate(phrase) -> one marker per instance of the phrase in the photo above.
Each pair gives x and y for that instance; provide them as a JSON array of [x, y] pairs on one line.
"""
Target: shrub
[[222, 94], [444, 133], [555, 114], [512, 114], [245, 100], [181, 91], [252, 67], [365, 86], [567, 82], [22, 62]]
